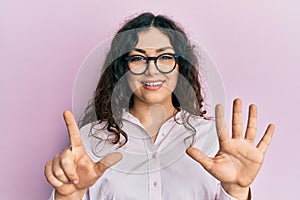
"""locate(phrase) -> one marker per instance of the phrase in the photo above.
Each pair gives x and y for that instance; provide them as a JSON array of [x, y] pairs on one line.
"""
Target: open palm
[[238, 161]]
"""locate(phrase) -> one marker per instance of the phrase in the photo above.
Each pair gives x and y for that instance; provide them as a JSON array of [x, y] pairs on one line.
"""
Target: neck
[[152, 116]]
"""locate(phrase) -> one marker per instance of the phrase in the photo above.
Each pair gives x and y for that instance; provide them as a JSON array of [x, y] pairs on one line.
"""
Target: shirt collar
[[129, 117]]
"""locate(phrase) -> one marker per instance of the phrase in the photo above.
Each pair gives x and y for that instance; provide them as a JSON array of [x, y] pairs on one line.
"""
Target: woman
[[147, 109]]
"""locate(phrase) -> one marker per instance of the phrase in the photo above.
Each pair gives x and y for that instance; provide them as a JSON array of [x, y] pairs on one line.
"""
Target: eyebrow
[[157, 50]]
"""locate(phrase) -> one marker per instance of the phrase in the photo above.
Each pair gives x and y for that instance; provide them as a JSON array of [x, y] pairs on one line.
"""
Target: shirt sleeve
[[85, 197], [52, 195], [223, 195]]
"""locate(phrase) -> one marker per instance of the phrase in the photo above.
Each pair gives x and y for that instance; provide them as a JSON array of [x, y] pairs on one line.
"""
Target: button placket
[[155, 185], [154, 176]]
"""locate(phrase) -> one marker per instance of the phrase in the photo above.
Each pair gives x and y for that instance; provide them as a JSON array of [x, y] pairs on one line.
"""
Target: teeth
[[153, 83]]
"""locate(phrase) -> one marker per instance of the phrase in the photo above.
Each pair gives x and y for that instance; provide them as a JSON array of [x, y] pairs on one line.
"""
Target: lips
[[152, 85]]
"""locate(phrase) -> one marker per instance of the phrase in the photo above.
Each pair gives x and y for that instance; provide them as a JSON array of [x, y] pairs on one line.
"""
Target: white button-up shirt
[[159, 170]]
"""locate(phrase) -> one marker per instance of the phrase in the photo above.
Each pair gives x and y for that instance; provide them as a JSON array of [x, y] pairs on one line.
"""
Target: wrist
[[73, 196], [238, 192]]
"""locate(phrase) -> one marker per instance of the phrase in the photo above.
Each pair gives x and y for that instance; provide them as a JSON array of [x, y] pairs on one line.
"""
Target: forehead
[[153, 39]]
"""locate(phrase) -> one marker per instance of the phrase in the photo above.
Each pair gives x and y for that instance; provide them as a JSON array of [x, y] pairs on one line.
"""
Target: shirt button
[[154, 155], [163, 134], [155, 184]]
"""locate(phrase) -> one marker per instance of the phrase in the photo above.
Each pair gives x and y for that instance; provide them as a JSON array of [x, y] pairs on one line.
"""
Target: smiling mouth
[[152, 83]]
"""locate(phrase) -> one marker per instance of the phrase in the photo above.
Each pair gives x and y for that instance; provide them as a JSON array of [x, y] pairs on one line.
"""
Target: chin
[[157, 99]]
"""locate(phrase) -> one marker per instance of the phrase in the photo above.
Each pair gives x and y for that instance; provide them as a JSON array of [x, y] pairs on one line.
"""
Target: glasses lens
[[137, 64], [166, 63]]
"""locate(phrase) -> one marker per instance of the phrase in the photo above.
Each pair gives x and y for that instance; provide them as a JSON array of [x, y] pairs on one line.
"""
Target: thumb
[[106, 162], [200, 157]]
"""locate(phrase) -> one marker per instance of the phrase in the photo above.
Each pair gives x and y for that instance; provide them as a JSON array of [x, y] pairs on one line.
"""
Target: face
[[153, 87]]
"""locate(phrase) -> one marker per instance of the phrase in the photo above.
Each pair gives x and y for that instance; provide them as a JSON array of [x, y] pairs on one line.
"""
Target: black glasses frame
[[176, 56]]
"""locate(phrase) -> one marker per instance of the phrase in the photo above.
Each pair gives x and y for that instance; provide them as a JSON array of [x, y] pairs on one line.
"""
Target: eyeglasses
[[165, 63]]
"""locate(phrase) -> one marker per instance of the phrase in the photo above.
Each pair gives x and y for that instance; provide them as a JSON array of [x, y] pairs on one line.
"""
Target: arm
[[238, 161], [72, 171]]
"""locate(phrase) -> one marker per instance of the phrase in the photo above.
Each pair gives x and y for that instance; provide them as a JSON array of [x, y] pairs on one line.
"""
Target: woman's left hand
[[238, 161]]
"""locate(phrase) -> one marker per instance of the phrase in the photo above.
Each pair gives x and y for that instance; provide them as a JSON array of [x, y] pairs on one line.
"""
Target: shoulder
[[198, 122]]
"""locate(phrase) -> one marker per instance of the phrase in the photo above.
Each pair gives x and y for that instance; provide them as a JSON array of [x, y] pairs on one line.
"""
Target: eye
[[137, 59], [166, 57]]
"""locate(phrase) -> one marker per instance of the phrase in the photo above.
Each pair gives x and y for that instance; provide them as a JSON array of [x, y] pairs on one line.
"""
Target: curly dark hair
[[110, 98]]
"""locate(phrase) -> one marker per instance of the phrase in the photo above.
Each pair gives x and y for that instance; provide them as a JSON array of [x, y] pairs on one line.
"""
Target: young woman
[[143, 133]]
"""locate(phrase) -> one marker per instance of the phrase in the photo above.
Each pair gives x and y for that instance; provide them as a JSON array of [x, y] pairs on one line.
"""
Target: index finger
[[220, 123], [73, 129]]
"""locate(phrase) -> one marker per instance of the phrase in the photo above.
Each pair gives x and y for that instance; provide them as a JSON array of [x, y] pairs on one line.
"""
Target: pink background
[[255, 45]]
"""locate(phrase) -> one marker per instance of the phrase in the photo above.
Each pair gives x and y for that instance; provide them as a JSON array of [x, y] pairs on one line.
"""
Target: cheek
[[132, 82], [173, 81]]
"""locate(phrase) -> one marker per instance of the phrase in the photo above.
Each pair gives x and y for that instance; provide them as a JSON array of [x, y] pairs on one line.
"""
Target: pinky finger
[[50, 177], [266, 139]]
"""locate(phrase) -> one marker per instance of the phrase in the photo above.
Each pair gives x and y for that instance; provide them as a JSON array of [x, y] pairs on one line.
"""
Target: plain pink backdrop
[[255, 45]]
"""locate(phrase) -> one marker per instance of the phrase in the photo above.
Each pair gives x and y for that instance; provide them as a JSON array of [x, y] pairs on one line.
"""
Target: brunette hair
[[110, 98]]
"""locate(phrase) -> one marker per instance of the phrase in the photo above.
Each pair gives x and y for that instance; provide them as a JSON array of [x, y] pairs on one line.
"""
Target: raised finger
[[57, 170], [220, 123], [266, 139], [251, 124], [237, 123], [50, 176], [68, 166], [73, 129]]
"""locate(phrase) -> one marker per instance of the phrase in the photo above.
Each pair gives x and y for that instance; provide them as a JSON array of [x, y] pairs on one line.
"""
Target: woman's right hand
[[72, 171]]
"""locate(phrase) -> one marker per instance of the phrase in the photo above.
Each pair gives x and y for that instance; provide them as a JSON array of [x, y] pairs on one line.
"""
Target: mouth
[[153, 85]]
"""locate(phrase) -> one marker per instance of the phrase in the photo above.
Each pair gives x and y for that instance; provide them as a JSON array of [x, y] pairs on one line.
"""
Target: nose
[[152, 70]]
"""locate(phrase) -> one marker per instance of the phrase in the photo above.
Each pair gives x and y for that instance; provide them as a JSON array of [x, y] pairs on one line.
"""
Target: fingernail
[[75, 182]]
